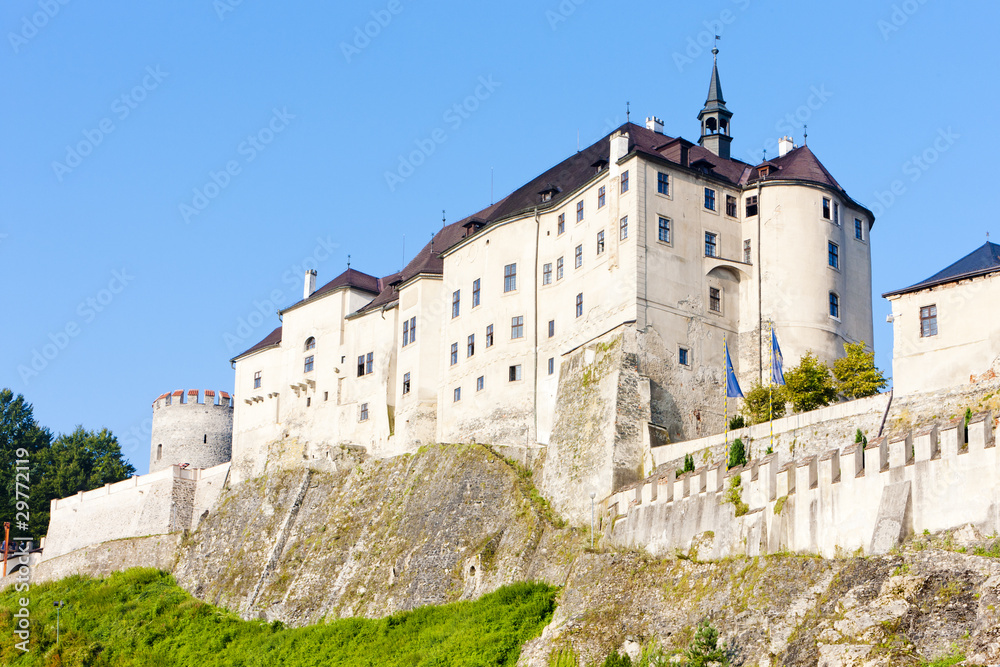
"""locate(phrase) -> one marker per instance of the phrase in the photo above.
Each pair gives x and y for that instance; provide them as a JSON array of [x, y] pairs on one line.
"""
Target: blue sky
[[169, 169]]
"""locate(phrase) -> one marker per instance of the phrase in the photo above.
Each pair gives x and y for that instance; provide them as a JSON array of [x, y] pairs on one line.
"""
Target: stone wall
[[159, 551], [866, 498]]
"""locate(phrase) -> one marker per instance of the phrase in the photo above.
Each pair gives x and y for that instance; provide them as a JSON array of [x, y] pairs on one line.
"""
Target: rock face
[[783, 610], [448, 523]]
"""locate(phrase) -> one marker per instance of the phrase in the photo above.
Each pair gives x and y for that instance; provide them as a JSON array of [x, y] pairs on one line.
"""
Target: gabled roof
[[270, 340], [980, 262]]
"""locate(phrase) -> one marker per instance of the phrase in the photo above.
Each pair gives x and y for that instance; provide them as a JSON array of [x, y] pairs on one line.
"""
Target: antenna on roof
[[805, 135], [402, 264], [491, 186], [432, 244], [442, 218], [348, 262], [627, 111], [578, 141]]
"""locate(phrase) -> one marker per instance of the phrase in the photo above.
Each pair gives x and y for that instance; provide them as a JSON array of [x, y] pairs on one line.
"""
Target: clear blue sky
[[99, 260]]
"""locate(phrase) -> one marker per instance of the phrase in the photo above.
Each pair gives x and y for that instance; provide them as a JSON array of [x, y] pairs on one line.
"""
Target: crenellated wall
[[866, 498], [191, 427], [166, 501]]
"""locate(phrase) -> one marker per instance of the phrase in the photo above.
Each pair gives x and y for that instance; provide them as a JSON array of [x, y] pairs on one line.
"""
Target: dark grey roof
[[715, 101], [979, 262]]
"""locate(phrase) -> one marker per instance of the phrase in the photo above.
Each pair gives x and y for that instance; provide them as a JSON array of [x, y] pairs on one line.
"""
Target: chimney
[[654, 124], [310, 284], [619, 146], [785, 145]]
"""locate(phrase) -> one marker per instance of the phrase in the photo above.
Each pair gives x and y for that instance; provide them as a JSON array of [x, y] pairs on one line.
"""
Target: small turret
[[191, 427], [715, 117]]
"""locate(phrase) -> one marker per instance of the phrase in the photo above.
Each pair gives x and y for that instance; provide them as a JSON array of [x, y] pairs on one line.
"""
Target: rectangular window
[[601, 197], [363, 417], [475, 292], [326, 395], [579, 211], [600, 242], [552, 365], [470, 348], [623, 228], [836, 213], [579, 304], [747, 252], [457, 395], [480, 382], [309, 402], [256, 380], [710, 199], [664, 230], [683, 357], [858, 230], [826, 208], [514, 373], [456, 302], [547, 274], [308, 365], [559, 268], [625, 181], [489, 335], [662, 183], [731, 205], [751, 206], [578, 257], [510, 278], [413, 329], [711, 244], [361, 365], [454, 354], [928, 321], [715, 299], [833, 254], [517, 327], [552, 328], [561, 226], [406, 383], [406, 332], [834, 305], [369, 363]]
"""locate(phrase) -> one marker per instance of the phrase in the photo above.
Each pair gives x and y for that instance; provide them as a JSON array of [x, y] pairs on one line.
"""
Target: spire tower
[[714, 116]]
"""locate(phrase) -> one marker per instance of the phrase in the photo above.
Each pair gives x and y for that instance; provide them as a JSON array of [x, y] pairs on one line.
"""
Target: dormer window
[[548, 193], [600, 165], [762, 172]]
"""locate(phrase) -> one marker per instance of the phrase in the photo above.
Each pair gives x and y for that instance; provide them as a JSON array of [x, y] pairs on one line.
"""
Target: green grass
[[141, 617]]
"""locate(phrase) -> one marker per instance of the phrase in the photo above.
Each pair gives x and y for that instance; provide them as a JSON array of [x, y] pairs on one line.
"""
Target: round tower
[[193, 428]]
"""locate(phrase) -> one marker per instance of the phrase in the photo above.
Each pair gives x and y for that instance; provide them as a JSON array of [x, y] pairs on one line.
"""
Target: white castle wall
[[165, 501], [842, 501]]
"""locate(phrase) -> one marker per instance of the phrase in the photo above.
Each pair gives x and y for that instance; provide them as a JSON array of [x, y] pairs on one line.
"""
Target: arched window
[[310, 343], [710, 126]]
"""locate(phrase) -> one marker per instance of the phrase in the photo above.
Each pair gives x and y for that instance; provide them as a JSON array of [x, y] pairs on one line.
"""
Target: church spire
[[714, 116]]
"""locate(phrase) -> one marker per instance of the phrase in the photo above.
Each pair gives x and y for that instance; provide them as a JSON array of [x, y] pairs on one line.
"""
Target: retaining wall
[[866, 498]]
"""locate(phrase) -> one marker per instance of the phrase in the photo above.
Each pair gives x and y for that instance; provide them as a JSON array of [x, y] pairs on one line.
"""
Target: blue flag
[[777, 374], [732, 384]]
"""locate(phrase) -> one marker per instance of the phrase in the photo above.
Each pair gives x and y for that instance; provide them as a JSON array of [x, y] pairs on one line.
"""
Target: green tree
[[764, 402], [80, 461], [809, 385], [21, 439], [856, 374], [704, 649]]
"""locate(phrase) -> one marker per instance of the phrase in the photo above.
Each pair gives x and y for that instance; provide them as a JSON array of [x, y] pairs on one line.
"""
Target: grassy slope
[[141, 617]]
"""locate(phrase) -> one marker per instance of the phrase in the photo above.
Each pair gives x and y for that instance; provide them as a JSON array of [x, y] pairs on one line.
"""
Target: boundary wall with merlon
[[834, 503], [835, 421], [162, 502]]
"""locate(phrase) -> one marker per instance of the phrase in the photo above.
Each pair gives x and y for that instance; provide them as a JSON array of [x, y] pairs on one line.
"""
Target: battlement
[[220, 399], [937, 478]]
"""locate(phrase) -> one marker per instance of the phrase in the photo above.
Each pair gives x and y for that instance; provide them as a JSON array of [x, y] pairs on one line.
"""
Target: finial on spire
[[715, 49], [765, 155], [628, 111], [442, 219], [805, 134], [348, 262]]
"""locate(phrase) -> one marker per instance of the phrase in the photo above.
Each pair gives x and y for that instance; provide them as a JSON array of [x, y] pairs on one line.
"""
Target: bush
[[737, 454], [809, 385], [860, 439], [764, 402], [615, 659], [704, 649], [737, 423], [856, 374], [688, 465]]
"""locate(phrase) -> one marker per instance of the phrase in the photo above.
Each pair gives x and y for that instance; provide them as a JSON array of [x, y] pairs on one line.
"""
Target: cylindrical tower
[[191, 428]]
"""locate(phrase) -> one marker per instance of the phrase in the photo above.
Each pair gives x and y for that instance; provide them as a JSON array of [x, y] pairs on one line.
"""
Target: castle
[[579, 325]]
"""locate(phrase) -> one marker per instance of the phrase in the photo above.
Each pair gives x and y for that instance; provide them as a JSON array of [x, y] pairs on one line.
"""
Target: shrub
[[737, 454], [737, 423], [856, 374], [616, 659], [764, 402], [809, 385], [859, 438]]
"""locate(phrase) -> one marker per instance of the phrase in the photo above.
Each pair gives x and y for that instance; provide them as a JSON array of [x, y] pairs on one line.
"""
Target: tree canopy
[[856, 374], [809, 385]]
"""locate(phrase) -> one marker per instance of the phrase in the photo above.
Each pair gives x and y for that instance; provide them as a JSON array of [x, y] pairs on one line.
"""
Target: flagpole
[[770, 384], [725, 365]]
